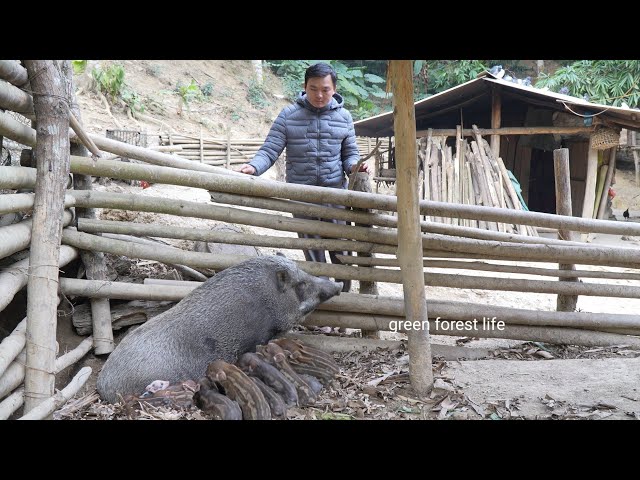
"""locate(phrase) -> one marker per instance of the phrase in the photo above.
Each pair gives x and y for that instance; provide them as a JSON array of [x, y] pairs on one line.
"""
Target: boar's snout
[[332, 289]]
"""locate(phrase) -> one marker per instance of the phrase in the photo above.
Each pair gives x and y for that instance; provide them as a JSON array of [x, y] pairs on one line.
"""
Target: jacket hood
[[336, 102]]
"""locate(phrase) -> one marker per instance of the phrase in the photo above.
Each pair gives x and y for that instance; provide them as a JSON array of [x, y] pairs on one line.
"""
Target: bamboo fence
[[472, 215]]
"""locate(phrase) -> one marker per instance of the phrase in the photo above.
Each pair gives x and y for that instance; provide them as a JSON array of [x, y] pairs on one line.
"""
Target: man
[[318, 133]]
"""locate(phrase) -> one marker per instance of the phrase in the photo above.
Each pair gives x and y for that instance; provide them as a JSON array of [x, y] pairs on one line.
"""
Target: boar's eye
[[300, 290]]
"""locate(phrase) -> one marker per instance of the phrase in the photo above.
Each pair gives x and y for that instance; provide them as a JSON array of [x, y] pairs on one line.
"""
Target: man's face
[[319, 91]]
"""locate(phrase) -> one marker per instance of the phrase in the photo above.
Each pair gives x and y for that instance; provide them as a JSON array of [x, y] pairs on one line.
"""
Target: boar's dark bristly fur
[[228, 315]]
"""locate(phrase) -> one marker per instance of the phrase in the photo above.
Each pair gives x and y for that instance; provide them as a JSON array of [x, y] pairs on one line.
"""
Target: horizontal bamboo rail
[[375, 313], [255, 186], [219, 262], [492, 267], [207, 235]]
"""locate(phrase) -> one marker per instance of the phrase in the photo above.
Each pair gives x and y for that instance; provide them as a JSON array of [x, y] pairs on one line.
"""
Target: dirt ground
[[514, 379]]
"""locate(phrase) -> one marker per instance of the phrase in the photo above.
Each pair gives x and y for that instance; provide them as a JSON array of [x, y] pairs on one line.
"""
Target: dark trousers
[[319, 255]]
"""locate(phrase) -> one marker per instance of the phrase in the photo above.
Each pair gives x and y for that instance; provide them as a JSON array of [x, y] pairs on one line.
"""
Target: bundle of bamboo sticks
[[471, 175], [214, 151]]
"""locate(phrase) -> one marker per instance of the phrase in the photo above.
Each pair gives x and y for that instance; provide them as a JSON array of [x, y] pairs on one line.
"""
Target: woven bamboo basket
[[604, 138]]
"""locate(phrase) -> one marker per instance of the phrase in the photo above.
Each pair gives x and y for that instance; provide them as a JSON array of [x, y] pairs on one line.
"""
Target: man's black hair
[[320, 70]]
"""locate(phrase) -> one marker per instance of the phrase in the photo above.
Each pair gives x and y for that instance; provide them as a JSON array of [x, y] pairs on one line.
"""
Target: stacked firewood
[[470, 174]]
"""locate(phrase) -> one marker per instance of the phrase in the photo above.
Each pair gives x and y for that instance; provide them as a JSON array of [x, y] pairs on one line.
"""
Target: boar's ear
[[283, 277]]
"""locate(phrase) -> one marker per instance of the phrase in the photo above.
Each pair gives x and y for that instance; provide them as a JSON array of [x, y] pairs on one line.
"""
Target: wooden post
[[496, 118], [410, 243], [362, 183], [94, 262], [565, 303], [52, 156]]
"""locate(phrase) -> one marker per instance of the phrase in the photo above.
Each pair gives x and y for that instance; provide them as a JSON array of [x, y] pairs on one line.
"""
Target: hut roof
[[442, 110]]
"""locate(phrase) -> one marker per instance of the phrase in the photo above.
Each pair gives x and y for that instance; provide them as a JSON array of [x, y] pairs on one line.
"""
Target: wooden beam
[[496, 118], [409, 239], [468, 132]]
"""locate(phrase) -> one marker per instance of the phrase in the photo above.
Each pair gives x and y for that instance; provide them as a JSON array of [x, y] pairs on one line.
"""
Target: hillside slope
[[234, 102]]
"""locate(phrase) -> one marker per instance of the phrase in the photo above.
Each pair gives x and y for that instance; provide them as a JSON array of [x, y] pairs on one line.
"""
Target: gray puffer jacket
[[320, 142]]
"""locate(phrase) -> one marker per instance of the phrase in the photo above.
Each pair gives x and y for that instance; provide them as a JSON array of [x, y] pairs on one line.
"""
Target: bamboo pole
[[17, 178], [15, 373], [94, 262], [233, 215], [207, 235], [556, 335], [363, 216], [607, 183], [12, 345], [493, 267], [12, 403], [602, 174], [589, 185], [14, 99], [13, 72], [257, 187], [220, 262], [52, 156], [170, 290], [47, 407], [17, 236], [565, 303], [595, 255], [18, 132], [15, 277]]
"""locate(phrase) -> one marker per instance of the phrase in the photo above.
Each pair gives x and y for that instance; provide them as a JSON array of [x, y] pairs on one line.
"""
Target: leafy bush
[[358, 87], [79, 66], [187, 93], [434, 76], [109, 80], [207, 89], [256, 95], [610, 82]]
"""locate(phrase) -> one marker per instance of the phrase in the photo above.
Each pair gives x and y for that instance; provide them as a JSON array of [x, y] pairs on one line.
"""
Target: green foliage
[[610, 82], [256, 95], [434, 76], [187, 94], [109, 80], [358, 87], [207, 89], [79, 66]]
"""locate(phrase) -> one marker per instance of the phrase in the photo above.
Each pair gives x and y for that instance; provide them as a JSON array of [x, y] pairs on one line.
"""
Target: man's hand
[[246, 168], [364, 167]]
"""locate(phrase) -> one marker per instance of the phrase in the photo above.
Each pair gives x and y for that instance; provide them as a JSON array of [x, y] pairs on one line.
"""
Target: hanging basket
[[604, 138]]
